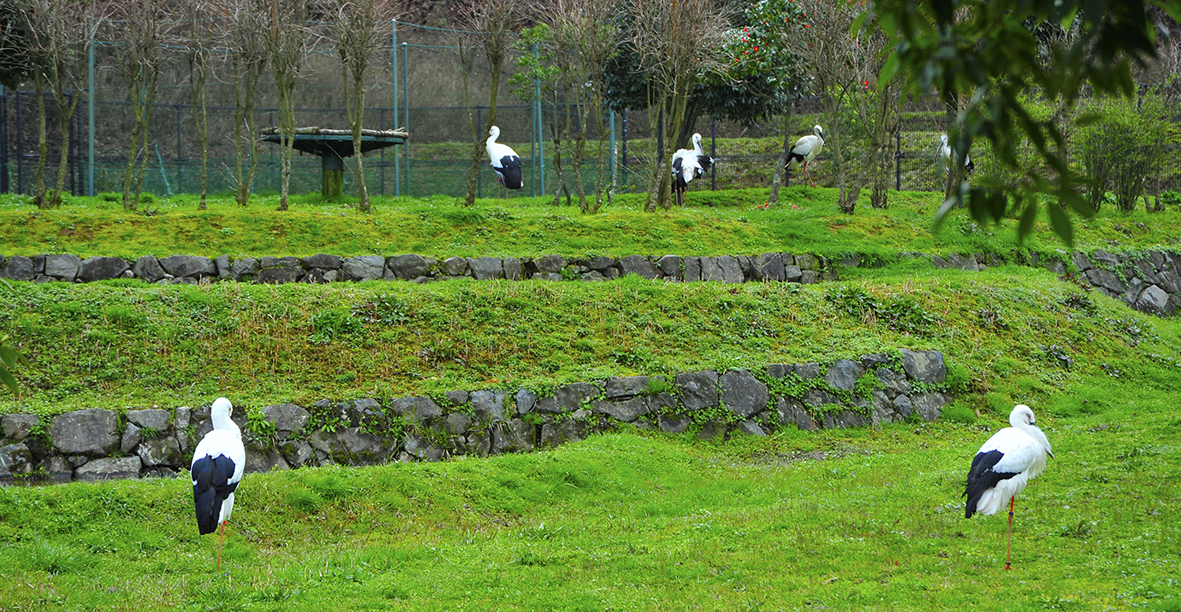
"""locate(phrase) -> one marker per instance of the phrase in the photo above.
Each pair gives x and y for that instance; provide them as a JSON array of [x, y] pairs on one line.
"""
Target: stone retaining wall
[[102, 444], [324, 268], [1147, 281]]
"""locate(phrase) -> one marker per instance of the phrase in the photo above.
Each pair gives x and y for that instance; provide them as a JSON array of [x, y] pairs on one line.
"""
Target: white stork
[[505, 162], [688, 165], [217, 469], [805, 150], [1004, 465], [945, 156]]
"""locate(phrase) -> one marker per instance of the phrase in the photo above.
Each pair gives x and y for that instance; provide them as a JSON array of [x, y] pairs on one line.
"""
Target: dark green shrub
[[1122, 147]]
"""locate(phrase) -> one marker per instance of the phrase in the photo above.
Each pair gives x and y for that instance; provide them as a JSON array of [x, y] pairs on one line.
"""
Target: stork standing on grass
[[945, 156], [805, 150], [217, 469], [1004, 465], [505, 162], [688, 165]]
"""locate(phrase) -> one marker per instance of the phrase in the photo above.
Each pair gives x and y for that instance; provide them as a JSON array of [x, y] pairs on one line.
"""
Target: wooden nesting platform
[[332, 146]]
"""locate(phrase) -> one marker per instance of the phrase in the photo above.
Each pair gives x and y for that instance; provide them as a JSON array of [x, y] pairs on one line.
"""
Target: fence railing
[[417, 89]]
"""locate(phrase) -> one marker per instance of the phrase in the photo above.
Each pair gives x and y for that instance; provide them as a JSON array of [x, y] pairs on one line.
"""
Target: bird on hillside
[[1004, 465], [505, 162], [805, 150], [945, 156], [688, 165], [217, 469]]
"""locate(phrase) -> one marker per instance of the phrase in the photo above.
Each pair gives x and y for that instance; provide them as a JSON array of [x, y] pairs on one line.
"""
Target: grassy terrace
[[724, 222], [853, 519]]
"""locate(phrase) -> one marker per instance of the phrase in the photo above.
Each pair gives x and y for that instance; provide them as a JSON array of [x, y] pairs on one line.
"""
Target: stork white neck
[[1022, 418], [220, 414]]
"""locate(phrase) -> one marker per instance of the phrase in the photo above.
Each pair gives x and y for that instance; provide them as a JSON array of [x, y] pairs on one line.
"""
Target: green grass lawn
[[861, 519], [805, 220]]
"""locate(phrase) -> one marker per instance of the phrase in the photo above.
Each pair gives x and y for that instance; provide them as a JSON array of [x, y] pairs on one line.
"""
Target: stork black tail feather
[[211, 487], [981, 478], [208, 508], [510, 171]]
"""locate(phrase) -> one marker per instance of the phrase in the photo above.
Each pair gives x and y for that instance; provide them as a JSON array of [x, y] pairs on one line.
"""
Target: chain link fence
[[417, 84]]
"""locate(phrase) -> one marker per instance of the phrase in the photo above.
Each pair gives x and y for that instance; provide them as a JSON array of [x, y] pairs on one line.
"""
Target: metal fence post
[[406, 117], [479, 175], [613, 177], [713, 152], [394, 70], [626, 177], [540, 131], [533, 125], [180, 163], [3, 141], [898, 158], [90, 100], [20, 159], [381, 123]]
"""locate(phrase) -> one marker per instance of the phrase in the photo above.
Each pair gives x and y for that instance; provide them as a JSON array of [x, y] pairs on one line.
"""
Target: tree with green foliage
[[987, 53], [244, 23], [828, 49], [61, 33], [567, 53], [145, 28], [490, 27], [759, 72], [540, 79], [1123, 147], [764, 72], [359, 29], [674, 43], [200, 32], [285, 39]]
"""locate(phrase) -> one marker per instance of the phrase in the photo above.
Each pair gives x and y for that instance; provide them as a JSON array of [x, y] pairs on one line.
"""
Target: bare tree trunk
[[197, 75], [358, 120], [780, 170], [246, 75], [557, 164], [680, 104], [579, 152], [285, 36], [465, 59], [129, 203], [491, 23], [286, 85], [358, 32], [146, 113], [656, 164], [602, 191], [355, 108], [66, 105], [40, 198]]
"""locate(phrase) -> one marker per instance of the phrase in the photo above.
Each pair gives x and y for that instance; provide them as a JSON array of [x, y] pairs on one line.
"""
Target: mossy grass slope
[[851, 519], [730, 222], [123, 343]]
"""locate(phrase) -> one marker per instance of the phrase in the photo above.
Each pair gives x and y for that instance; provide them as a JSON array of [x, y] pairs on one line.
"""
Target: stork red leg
[[220, 540], [1009, 543]]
